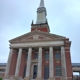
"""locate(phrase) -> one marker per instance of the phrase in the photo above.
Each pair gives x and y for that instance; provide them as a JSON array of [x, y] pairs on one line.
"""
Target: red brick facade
[[41, 29]]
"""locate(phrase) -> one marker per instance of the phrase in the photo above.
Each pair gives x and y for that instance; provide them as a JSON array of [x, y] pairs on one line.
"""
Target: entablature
[[37, 44]]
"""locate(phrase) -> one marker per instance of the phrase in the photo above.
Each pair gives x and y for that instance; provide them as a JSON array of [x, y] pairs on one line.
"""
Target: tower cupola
[[41, 21], [41, 13]]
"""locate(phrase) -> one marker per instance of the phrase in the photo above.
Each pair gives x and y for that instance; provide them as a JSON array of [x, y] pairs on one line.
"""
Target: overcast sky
[[63, 18]]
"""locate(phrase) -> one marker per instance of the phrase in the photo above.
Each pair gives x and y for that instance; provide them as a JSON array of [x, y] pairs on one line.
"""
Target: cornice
[[38, 40]]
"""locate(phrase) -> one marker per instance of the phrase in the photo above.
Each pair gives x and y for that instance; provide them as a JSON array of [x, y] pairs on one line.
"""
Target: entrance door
[[35, 71], [24, 74], [46, 72]]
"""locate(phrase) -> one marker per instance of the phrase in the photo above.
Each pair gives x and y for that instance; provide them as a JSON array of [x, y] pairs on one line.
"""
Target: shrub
[[0, 78]]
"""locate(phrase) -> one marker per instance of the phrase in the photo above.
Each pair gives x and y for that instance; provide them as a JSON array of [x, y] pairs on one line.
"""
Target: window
[[35, 72], [36, 56], [58, 56], [46, 72], [46, 56], [58, 70]]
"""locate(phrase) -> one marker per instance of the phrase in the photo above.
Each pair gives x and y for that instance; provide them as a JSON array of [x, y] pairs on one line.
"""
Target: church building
[[39, 55]]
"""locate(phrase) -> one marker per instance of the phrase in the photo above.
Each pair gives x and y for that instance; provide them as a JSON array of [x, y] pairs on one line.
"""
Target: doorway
[[24, 73], [35, 72]]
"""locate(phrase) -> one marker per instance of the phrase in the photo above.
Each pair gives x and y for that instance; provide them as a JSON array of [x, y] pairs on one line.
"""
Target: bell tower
[[41, 21]]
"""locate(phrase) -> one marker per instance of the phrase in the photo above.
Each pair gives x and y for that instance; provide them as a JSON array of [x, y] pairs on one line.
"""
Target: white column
[[63, 63], [39, 74], [51, 68], [28, 67], [18, 63], [8, 63]]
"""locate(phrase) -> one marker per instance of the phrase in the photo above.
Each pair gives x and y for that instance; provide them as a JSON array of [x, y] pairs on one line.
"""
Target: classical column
[[18, 63], [8, 63], [63, 63], [51, 67], [28, 67], [39, 74]]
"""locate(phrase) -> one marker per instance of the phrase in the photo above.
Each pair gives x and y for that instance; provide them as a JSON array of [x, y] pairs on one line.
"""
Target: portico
[[48, 45]]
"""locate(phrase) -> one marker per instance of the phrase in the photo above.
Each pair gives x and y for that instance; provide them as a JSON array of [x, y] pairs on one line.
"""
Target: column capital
[[30, 47], [20, 48], [50, 46], [15, 50], [62, 46], [40, 47]]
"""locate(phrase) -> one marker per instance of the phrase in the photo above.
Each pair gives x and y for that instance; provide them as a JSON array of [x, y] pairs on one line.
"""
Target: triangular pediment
[[36, 36]]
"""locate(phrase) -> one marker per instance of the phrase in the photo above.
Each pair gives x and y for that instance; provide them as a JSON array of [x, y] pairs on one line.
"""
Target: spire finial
[[42, 3]]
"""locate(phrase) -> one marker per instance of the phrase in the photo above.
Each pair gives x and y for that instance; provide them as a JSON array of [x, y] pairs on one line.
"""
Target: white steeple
[[42, 3], [41, 13]]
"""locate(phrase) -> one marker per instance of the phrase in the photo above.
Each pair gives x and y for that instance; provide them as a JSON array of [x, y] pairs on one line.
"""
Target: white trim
[[37, 44]]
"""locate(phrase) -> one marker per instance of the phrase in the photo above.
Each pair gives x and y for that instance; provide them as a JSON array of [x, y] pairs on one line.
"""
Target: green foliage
[[0, 78]]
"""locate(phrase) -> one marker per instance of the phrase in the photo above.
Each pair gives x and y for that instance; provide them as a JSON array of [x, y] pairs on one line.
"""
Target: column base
[[27, 78], [8, 79], [38, 78], [16, 78], [51, 79], [64, 79], [5, 77], [11, 78]]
